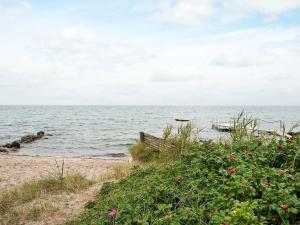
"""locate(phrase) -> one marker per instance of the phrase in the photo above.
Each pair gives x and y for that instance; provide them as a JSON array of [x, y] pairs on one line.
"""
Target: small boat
[[181, 120], [222, 127]]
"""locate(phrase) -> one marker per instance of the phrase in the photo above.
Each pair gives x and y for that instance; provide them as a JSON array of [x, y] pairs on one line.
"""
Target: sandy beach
[[15, 170]]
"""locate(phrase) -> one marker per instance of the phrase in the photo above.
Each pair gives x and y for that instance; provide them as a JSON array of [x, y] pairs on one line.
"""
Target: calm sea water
[[98, 130]]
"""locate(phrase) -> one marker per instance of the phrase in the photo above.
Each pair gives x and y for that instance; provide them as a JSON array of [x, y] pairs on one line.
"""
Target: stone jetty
[[16, 145]]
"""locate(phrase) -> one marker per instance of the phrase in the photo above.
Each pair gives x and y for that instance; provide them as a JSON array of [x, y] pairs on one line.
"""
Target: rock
[[40, 134], [116, 155], [7, 150], [6, 145], [32, 137], [15, 144], [28, 138], [4, 149]]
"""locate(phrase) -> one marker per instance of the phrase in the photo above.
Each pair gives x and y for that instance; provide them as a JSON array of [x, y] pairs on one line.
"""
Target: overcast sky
[[139, 52]]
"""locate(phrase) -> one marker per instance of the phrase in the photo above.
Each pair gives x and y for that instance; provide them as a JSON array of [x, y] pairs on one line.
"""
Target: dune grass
[[12, 200]]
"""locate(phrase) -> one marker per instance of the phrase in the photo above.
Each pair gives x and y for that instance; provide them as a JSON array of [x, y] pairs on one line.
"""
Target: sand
[[15, 170]]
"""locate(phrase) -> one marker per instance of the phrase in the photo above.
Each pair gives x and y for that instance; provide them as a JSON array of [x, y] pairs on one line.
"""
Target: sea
[[99, 131]]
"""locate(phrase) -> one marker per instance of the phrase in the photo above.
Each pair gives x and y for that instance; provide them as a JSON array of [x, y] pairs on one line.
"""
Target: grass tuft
[[140, 152], [34, 189]]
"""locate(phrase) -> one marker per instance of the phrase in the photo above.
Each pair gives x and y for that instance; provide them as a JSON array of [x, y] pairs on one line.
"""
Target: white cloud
[[185, 12], [11, 12], [177, 74], [272, 7], [188, 12], [232, 10], [245, 57], [78, 65], [194, 12], [88, 64]]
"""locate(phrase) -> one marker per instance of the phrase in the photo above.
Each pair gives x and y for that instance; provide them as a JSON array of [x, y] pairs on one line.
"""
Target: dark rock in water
[[116, 155], [6, 145], [28, 138], [15, 144], [40, 134], [32, 137]]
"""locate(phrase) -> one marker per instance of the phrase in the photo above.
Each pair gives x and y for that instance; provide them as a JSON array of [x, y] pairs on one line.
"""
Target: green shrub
[[248, 180], [254, 181]]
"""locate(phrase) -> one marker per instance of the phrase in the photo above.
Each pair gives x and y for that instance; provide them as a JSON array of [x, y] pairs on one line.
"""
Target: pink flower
[[113, 213], [285, 208], [230, 170]]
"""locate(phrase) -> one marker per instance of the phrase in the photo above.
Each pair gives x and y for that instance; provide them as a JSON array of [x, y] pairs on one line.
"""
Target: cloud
[[81, 48], [246, 57], [177, 74], [232, 10], [11, 12], [195, 12], [185, 12], [58, 62], [189, 12]]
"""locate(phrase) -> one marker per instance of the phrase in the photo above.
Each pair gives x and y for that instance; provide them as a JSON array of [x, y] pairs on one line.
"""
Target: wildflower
[[113, 213], [230, 170], [225, 223], [285, 208]]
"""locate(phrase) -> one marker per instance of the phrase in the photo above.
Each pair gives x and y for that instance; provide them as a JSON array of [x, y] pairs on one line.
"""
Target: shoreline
[[101, 157], [17, 169]]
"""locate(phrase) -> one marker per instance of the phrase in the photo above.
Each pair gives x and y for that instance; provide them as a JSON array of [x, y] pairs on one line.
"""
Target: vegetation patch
[[11, 202], [248, 180]]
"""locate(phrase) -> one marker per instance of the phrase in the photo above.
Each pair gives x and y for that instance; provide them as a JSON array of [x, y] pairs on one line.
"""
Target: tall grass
[[244, 127], [176, 141]]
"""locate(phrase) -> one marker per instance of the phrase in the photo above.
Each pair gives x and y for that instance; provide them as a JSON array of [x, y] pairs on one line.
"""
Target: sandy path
[[15, 170]]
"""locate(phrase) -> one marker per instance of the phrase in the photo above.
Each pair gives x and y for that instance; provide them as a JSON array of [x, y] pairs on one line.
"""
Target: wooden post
[[142, 137]]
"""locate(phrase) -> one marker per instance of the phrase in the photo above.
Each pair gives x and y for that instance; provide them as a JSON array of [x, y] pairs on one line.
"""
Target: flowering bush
[[254, 181]]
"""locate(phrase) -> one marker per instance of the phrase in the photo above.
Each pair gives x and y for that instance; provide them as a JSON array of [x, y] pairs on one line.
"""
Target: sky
[[150, 52]]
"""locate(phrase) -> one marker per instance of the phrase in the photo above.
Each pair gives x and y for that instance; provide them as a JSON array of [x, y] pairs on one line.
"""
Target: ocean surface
[[95, 131]]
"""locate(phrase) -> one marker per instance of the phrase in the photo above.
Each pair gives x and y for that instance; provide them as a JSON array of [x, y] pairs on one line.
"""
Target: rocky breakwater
[[16, 145]]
